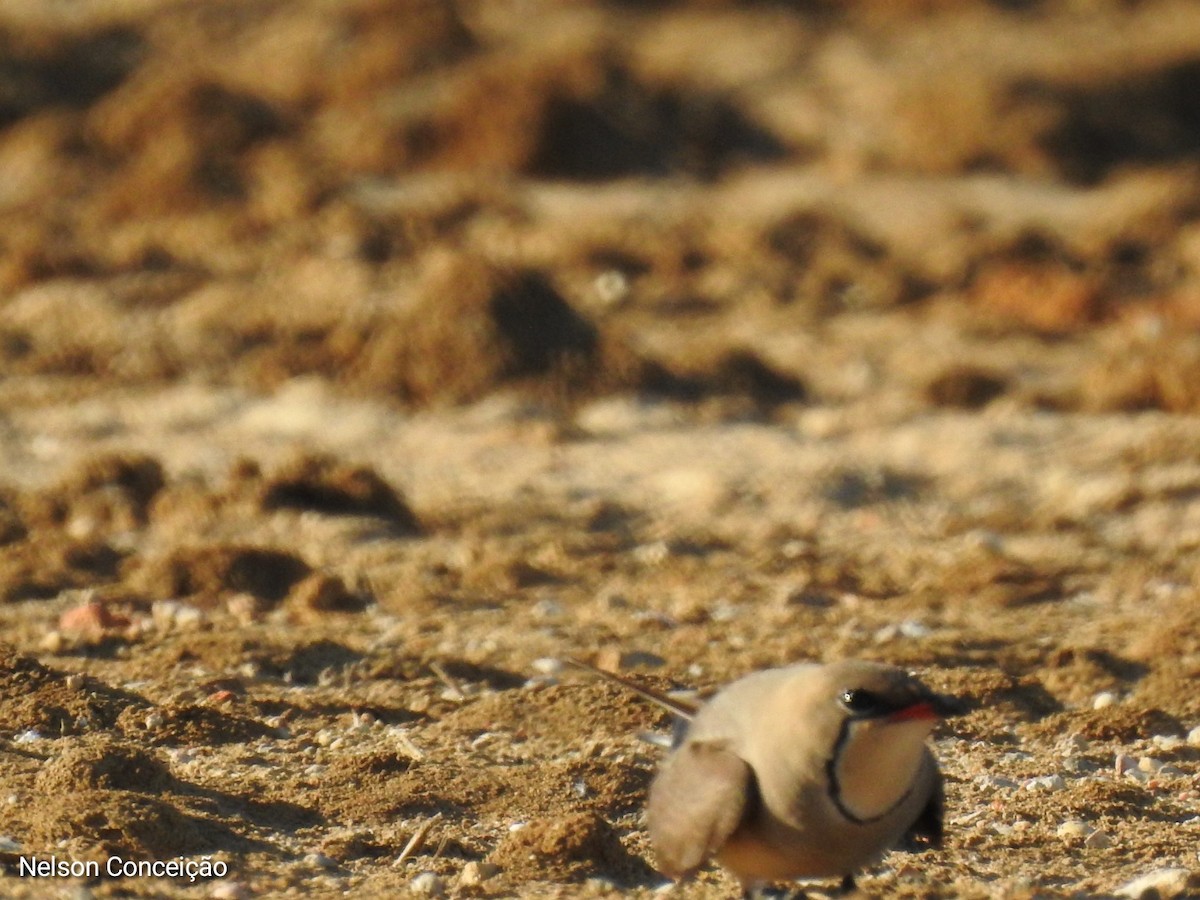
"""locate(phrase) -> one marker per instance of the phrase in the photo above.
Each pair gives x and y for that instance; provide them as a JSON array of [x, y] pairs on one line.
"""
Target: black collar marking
[[835, 787]]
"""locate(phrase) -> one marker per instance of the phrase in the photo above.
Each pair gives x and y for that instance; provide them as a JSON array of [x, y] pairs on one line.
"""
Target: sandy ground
[[361, 360]]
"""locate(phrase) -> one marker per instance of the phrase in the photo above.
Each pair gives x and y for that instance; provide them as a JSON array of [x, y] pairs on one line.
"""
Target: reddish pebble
[[92, 617]]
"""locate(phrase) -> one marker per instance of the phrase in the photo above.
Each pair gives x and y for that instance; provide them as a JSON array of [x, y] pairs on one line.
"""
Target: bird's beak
[[936, 706]]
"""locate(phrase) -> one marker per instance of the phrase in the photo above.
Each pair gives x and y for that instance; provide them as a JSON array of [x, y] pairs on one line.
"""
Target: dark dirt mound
[[568, 848], [99, 763], [209, 572], [53, 702], [326, 484]]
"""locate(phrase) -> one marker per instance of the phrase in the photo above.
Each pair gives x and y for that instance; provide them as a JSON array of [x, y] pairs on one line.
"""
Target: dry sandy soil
[[363, 358]]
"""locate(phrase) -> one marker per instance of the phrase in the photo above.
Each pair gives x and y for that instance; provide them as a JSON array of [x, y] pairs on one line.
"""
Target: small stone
[[1167, 882], [1098, 840], [1150, 765], [8, 845], [1073, 830], [996, 782], [1077, 765], [1124, 763], [912, 628], [547, 609], [1074, 743], [547, 665], [74, 681], [1167, 742], [1047, 783], [1103, 700], [92, 618], [428, 884], [52, 642], [1193, 737], [229, 890], [651, 554], [476, 872], [321, 861], [885, 634], [174, 614]]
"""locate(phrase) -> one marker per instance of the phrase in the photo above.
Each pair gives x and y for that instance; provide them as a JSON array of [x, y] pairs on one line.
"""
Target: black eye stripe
[[862, 702]]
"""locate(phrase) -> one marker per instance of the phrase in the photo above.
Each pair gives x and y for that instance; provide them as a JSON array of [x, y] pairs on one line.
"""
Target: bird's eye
[[860, 702]]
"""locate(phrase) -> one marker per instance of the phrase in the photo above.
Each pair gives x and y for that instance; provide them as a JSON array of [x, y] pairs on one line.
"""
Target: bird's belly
[[776, 855], [752, 859], [826, 846]]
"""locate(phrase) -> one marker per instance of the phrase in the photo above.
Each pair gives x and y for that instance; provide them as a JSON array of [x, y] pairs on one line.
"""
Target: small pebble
[[476, 872], [1167, 882], [1045, 783], [90, 617], [229, 890], [1077, 765], [74, 681], [651, 554], [169, 614], [8, 845], [1072, 744], [548, 665], [1167, 741], [428, 884], [1149, 764], [52, 641], [1073, 829], [1193, 737], [1098, 840], [912, 629], [1124, 763], [547, 609], [996, 782], [321, 861], [611, 286], [1104, 700]]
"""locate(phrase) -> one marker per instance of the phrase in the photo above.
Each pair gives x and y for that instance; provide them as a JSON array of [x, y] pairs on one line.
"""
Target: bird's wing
[[681, 708], [698, 799]]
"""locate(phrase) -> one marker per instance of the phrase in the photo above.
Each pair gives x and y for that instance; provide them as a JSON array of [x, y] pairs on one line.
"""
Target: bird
[[808, 771]]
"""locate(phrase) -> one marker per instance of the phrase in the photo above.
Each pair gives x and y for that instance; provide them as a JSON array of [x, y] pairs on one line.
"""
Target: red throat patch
[[922, 710]]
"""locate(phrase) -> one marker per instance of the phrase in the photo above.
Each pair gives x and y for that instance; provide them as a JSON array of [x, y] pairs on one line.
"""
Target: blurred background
[[360, 359], [735, 204]]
